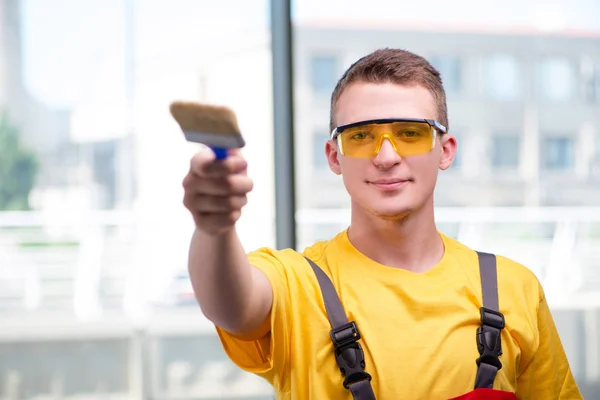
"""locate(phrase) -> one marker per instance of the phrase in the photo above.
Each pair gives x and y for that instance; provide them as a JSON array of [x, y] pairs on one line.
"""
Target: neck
[[411, 243]]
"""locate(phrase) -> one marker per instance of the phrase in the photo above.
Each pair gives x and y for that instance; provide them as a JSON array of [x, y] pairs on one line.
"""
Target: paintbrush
[[211, 125]]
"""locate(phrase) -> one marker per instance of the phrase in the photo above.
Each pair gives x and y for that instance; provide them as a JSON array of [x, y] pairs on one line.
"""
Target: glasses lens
[[407, 138]]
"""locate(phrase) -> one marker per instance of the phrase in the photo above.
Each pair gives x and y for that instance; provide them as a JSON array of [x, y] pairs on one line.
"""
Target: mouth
[[389, 184]]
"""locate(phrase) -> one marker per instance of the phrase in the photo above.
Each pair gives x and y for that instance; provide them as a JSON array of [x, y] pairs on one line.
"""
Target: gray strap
[[488, 335], [489, 280], [486, 374], [362, 389], [333, 306]]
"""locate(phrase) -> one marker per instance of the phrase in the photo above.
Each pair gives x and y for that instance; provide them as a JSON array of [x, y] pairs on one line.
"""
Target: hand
[[215, 191]]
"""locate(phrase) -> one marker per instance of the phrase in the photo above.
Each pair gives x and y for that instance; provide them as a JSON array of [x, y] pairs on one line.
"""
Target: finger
[[231, 165], [217, 204], [231, 185], [205, 164], [200, 160]]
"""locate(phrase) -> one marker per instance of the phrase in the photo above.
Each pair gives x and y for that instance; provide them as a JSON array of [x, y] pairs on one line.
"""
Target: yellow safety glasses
[[409, 137]]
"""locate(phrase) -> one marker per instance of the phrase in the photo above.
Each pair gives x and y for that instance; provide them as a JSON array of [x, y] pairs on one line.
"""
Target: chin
[[395, 217], [394, 213], [390, 206]]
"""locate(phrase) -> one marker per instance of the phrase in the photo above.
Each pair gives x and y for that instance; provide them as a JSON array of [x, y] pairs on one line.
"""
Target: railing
[[72, 263], [68, 285], [561, 245], [89, 263]]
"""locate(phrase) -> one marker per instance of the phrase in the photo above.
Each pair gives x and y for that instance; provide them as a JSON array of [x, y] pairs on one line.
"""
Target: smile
[[389, 184]]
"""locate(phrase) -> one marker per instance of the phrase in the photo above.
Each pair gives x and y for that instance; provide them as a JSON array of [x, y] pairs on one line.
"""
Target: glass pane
[[524, 178], [94, 237], [597, 152], [556, 79], [458, 157], [502, 78], [194, 366], [63, 368], [505, 150], [324, 71], [319, 157], [597, 82], [558, 153], [450, 68]]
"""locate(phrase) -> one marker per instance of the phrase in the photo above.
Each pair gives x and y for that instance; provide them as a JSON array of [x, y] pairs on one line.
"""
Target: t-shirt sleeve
[[268, 355], [548, 375]]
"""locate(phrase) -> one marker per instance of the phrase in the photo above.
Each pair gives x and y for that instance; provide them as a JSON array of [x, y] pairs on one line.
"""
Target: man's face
[[388, 185]]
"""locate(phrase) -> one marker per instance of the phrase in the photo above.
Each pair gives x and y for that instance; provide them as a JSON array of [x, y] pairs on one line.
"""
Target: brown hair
[[393, 66]]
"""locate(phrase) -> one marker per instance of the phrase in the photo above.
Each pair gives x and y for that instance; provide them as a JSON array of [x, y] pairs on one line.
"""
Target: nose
[[387, 156]]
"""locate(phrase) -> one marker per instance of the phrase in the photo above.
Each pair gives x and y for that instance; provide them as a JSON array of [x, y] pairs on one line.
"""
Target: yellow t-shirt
[[418, 330]]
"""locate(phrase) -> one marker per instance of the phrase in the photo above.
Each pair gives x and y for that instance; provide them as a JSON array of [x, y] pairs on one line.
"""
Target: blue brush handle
[[220, 154]]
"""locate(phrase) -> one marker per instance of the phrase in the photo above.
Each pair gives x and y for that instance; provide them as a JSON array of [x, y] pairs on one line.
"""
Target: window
[[590, 78], [505, 151], [596, 84], [597, 149], [318, 156], [558, 153], [67, 70], [104, 169], [324, 71], [459, 150], [501, 77], [450, 69], [555, 79]]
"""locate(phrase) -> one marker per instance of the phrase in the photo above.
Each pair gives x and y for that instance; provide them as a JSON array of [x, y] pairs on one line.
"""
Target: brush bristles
[[195, 117]]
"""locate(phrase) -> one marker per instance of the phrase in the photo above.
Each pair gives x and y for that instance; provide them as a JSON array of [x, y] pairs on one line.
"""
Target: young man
[[414, 294]]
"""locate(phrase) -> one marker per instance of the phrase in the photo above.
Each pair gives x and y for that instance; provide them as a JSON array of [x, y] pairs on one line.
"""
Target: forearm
[[231, 292]]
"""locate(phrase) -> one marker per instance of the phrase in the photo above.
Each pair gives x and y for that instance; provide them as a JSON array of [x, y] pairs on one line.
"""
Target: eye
[[409, 133], [359, 136]]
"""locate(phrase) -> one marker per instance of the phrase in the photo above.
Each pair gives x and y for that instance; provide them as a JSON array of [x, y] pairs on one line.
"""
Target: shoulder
[[287, 258], [288, 262], [293, 281], [514, 274], [289, 271], [513, 277], [318, 252]]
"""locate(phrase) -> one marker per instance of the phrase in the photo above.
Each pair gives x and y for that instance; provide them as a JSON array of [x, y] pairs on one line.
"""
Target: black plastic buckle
[[489, 340], [492, 318], [489, 346], [344, 335], [356, 377], [349, 354]]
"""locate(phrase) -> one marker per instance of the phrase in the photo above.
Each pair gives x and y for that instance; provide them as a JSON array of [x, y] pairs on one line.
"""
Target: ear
[[448, 146], [331, 151]]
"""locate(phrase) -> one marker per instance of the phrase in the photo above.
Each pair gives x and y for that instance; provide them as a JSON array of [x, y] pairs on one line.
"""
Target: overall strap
[[492, 323], [344, 335]]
